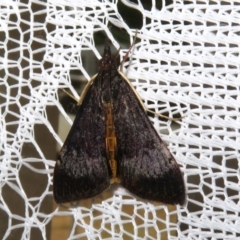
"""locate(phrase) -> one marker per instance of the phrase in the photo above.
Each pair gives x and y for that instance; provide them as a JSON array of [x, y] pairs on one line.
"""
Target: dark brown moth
[[113, 140]]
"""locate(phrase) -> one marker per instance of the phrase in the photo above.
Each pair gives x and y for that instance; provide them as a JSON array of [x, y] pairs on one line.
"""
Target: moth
[[113, 140]]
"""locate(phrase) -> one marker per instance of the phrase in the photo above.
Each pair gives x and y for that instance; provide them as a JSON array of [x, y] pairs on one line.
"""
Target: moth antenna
[[129, 50]]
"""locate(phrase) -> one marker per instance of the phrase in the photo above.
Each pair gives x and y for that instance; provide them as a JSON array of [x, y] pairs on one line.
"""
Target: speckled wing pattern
[[144, 164], [82, 170]]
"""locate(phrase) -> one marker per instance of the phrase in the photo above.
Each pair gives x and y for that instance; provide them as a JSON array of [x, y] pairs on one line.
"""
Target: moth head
[[107, 60]]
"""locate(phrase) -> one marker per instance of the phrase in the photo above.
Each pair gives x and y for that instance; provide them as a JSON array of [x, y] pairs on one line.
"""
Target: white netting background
[[190, 55]]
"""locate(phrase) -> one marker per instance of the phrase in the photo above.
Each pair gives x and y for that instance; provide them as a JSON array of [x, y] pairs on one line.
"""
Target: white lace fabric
[[186, 61]]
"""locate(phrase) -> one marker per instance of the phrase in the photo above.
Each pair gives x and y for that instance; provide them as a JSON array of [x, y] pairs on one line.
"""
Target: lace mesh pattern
[[185, 62]]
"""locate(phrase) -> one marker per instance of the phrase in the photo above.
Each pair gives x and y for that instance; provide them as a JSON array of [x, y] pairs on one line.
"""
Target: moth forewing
[[112, 138], [86, 88]]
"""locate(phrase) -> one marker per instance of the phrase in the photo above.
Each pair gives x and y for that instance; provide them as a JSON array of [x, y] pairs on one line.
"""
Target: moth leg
[[69, 94], [84, 92], [163, 116]]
